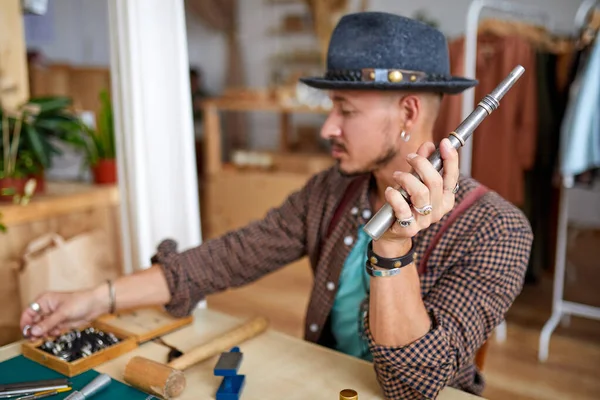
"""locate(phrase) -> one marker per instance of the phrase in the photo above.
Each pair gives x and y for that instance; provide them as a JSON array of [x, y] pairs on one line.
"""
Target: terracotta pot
[[105, 171], [18, 184]]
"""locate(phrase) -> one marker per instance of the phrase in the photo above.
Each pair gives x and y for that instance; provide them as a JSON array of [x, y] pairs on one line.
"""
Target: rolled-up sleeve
[[464, 306], [239, 256]]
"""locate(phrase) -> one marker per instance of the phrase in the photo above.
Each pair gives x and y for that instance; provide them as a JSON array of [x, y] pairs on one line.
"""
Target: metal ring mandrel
[[384, 218]]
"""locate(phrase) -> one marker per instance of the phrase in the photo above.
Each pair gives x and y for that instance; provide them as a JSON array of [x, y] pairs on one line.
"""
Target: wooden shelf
[[60, 198]]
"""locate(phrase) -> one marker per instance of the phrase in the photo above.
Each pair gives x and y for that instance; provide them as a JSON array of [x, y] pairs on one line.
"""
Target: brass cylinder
[[348, 394]]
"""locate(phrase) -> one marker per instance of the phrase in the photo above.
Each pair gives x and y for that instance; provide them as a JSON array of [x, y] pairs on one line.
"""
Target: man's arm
[[416, 358], [180, 280]]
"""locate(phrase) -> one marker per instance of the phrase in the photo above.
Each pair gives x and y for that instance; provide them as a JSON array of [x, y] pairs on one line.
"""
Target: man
[[424, 324]]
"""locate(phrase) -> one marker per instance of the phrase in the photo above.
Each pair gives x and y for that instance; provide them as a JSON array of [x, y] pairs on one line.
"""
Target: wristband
[[381, 273], [390, 263], [111, 297]]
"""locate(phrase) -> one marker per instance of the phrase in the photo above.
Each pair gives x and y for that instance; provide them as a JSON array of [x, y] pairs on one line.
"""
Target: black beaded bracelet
[[390, 263]]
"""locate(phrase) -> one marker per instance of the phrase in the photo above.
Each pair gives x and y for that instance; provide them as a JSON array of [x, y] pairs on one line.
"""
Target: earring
[[405, 136]]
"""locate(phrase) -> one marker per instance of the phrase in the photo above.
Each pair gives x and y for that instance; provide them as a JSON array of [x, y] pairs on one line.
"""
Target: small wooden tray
[[32, 351], [142, 324], [131, 327]]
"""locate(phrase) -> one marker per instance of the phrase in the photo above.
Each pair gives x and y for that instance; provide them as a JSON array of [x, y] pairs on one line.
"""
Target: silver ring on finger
[[425, 210], [406, 222], [26, 330], [36, 307]]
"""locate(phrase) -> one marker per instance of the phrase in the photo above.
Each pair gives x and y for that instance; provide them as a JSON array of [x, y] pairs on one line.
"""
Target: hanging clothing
[[580, 130], [539, 188], [504, 143]]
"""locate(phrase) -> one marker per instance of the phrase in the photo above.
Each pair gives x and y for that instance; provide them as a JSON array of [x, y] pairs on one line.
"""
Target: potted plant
[[99, 143], [28, 142]]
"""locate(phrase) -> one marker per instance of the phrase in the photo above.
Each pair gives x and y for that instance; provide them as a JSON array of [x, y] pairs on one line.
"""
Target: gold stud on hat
[[413, 78], [395, 76]]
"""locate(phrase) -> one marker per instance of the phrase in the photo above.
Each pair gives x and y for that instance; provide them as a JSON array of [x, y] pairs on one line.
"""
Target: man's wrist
[[101, 296], [392, 248]]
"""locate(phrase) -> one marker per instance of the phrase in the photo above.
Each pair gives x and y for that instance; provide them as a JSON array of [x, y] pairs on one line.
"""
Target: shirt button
[[366, 213], [314, 327], [330, 286], [354, 210], [348, 240]]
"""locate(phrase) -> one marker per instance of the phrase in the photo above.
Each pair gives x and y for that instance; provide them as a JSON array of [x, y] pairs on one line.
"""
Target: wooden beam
[[13, 55]]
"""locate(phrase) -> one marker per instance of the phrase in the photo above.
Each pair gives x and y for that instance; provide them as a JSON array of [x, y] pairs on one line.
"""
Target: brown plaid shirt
[[472, 276]]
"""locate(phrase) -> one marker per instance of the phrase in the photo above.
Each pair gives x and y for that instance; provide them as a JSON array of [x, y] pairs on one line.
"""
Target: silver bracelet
[[111, 297], [378, 273]]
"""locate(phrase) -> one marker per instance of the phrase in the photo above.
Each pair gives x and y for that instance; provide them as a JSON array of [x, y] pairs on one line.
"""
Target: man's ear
[[411, 106]]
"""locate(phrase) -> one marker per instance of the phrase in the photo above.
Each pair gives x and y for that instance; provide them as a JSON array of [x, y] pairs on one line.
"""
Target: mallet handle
[[220, 344]]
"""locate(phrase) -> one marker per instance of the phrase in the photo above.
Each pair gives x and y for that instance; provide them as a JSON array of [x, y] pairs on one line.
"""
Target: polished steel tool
[[97, 384], [384, 218]]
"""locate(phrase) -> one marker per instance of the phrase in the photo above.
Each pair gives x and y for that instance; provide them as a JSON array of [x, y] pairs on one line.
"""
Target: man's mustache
[[337, 144]]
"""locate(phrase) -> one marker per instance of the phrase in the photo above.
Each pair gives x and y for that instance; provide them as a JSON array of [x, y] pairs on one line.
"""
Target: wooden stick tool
[[167, 380]]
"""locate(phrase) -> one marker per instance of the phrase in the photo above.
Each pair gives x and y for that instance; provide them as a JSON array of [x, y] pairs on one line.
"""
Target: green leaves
[[50, 104], [98, 143], [105, 137], [42, 121], [37, 145]]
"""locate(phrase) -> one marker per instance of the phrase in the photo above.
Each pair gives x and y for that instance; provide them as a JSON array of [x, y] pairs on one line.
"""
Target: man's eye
[[346, 112]]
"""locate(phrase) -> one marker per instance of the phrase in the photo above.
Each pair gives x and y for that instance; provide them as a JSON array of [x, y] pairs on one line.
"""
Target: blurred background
[[126, 122]]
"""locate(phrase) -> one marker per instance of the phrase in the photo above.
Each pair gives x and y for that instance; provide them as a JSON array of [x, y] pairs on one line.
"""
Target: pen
[[41, 395], [27, 391]]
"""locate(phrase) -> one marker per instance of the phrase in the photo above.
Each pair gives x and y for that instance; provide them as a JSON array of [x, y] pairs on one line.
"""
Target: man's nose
[[331, 127]]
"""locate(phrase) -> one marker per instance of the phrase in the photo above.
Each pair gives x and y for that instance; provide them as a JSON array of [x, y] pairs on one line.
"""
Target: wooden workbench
[[277, 366], [65, 208]]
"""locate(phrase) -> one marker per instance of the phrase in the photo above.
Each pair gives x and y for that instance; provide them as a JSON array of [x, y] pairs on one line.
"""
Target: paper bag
[[51, 263]]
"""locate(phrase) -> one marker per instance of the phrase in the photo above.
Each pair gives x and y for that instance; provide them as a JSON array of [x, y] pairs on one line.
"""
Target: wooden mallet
[[167, 380]]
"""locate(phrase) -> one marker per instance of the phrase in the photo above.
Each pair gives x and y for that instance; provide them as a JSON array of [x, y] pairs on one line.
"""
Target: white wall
[[79, 35], [74, 31]]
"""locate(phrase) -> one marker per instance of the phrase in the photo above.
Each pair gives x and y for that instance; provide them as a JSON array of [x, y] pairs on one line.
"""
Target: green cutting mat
[[21, 369]]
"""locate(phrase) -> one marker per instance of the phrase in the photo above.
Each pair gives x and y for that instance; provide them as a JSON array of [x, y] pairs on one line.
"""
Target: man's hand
[[431, 199], [59, 311]]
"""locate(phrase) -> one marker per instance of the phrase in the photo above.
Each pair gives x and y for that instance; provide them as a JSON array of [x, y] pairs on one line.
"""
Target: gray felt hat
[[382, 51]]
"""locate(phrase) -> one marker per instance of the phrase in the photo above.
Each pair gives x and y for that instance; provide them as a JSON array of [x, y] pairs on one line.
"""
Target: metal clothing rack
[[514, 10], [473, 14], [562, 309]]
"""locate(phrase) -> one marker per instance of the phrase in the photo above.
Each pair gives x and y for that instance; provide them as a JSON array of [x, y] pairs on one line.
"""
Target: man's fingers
[[402, 212], [48, 324], [433, 183], [27, 318], [418, 192], [426, 149], [450, 161]]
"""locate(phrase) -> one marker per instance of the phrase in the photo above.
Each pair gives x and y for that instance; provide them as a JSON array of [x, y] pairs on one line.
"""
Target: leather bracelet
[[390, 263], [111, 297], [381, 273]]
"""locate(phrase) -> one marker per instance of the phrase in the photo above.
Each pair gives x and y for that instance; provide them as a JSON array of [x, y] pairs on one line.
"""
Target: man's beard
[[382, 160]]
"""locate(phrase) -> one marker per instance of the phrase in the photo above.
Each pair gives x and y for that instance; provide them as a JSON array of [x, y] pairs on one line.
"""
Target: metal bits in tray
[[77, 344]]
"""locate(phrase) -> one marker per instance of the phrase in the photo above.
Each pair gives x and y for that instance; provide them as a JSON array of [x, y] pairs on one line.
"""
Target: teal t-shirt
[[353, 287]]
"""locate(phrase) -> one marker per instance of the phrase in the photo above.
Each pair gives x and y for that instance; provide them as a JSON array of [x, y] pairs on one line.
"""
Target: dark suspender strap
[[343, 204], [469, 200]]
